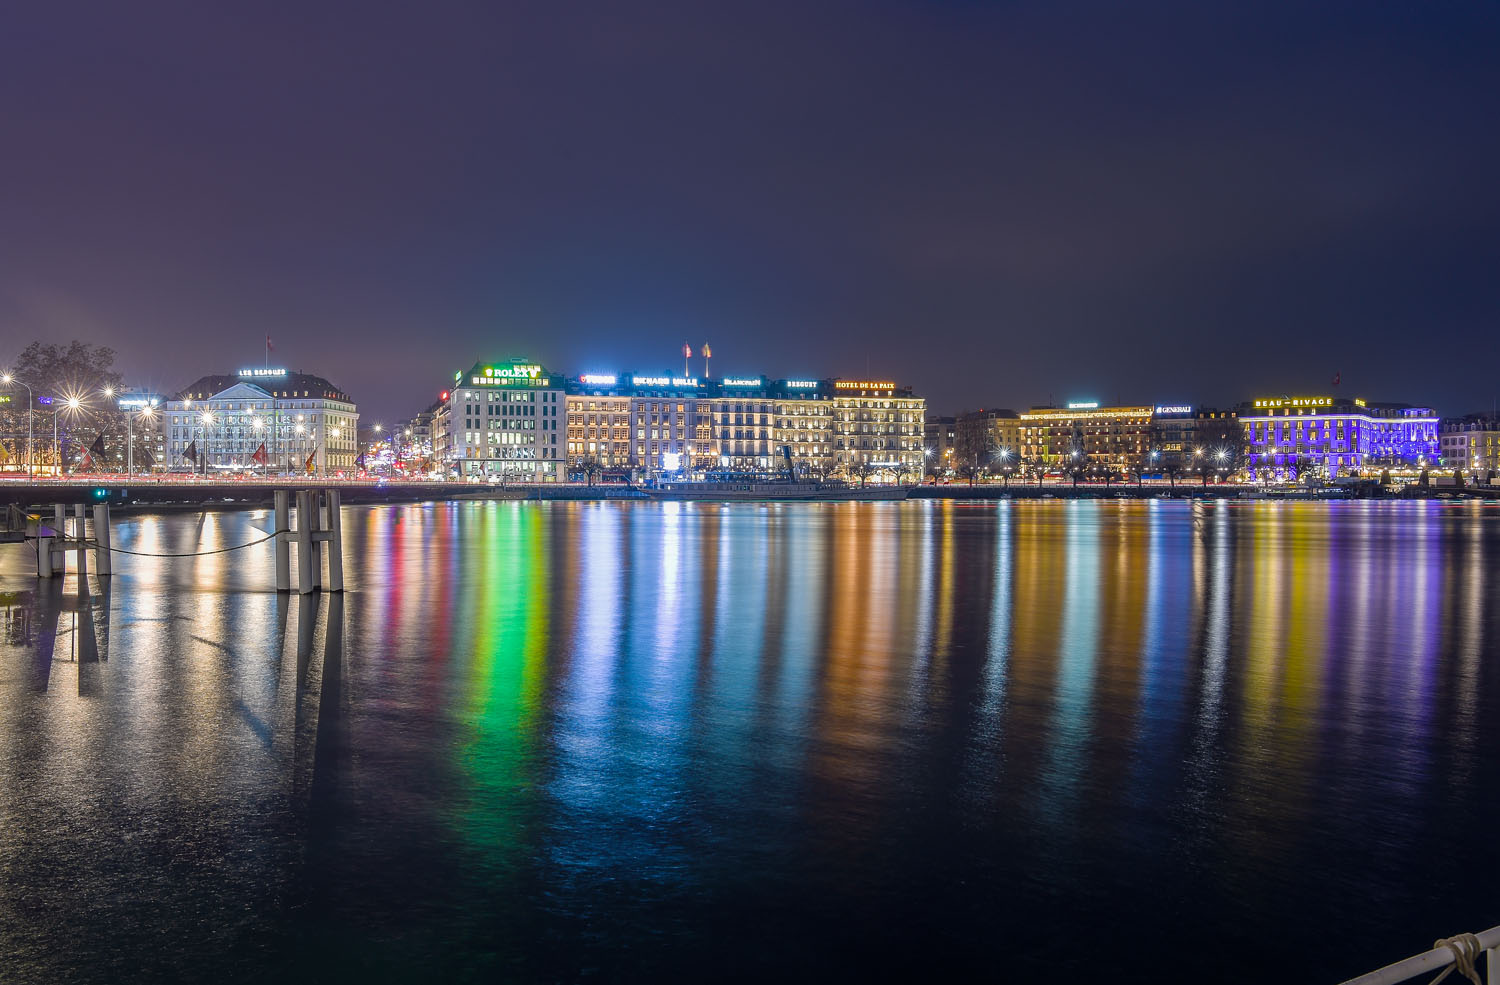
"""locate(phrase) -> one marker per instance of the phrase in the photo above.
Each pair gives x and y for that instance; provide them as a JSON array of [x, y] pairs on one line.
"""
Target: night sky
[[999, 203]]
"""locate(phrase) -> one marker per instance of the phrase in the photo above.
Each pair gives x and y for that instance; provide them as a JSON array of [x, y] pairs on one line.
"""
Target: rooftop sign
[[802, 384], [516, 374], [864, 385], [1084, 405], [253, 373], [1295, 402], [743, 381], [599, 379], [656, 381], [1164, 409]]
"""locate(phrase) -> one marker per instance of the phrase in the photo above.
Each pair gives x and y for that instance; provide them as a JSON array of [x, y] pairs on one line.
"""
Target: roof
[[286, 386]]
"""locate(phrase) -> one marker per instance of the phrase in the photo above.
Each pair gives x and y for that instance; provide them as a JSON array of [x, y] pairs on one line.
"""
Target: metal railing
[[1435, 960]]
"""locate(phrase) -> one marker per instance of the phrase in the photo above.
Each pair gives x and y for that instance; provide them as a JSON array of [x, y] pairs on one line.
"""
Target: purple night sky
[[995, 202]]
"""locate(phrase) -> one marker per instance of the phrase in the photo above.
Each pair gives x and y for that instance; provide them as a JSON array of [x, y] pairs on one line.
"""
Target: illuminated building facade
[[1471, 444], [225, 418], [505, 420], [599, 423], [986, 439], [804, 424], [1285, 437], [877, 428], [1083, 434]]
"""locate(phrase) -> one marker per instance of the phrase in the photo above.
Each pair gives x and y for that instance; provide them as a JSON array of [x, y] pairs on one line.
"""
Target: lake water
[[1146, 741]]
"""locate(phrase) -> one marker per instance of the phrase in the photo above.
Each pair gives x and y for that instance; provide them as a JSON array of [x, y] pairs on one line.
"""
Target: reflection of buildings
[[299, 417], [1285, 436]]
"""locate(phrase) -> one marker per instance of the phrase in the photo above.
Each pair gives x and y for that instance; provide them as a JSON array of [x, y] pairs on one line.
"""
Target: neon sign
[[741, 381], [262, 372], [598, 379], [1173, 409], [802, 384], [1084, 405], [864, 385], [1296, 402], [679, 381], [516, 374]]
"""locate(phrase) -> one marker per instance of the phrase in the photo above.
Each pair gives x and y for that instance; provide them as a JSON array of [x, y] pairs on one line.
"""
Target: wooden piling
[[80, 541]]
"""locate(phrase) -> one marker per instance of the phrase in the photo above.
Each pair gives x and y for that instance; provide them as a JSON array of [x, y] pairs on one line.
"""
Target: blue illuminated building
[[1285, 437]]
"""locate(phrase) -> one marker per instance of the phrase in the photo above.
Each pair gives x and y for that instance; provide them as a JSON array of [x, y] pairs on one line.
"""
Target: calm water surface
[[664, 741]]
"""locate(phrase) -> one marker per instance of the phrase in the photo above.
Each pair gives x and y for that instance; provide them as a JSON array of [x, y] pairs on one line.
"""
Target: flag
[[93, 453], [259, 458], [360, 461], [311, 460], [4, 453], [192, 452], [269, 346], [146, 454], [1336, 378]]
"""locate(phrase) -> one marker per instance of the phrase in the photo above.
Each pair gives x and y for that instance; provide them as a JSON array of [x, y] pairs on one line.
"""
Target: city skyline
[[1236, 199]]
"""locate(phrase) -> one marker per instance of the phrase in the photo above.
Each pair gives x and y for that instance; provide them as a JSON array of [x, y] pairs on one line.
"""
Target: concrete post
[[304, 542], [80, 540], [315, 518], [102, 559], [43, 553], [335, 543], [282, 525], [60, 524]]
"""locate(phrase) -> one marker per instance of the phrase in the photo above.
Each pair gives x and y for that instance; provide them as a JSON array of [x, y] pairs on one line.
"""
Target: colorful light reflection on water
[[678, 740]]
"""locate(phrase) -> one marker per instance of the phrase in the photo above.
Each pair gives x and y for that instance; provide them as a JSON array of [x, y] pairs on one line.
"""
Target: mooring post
[[102, 559], [304, 542], [283, 527], [60, 524], [316, 518], [81, 542], [335, 543], [43, 551]]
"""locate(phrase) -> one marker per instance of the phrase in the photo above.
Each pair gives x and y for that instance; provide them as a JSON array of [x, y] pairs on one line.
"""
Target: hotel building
[[1083, 433], [1284, 437], [504, 420], [877, 427], [305, 422]]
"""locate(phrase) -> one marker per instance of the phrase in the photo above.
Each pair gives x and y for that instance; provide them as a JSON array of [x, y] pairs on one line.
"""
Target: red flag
[[1336, 377], [269, 346], [311, 459], [259, 458]]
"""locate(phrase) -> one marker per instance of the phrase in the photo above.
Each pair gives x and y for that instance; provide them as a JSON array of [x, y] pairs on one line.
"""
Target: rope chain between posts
[[221, 550], [1466, 950]]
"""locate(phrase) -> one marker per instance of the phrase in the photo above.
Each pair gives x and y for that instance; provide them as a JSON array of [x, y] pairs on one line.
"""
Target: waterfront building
[[743, 413], [673, 423], [1471, 444], [804, 410], [1285, 437], [598, 420], [305, 422], [986, 438], [505, 419], [877, 428], [1083, 434], [939, 437]]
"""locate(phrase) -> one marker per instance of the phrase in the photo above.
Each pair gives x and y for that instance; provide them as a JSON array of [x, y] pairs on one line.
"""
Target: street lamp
[[9, 380]]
